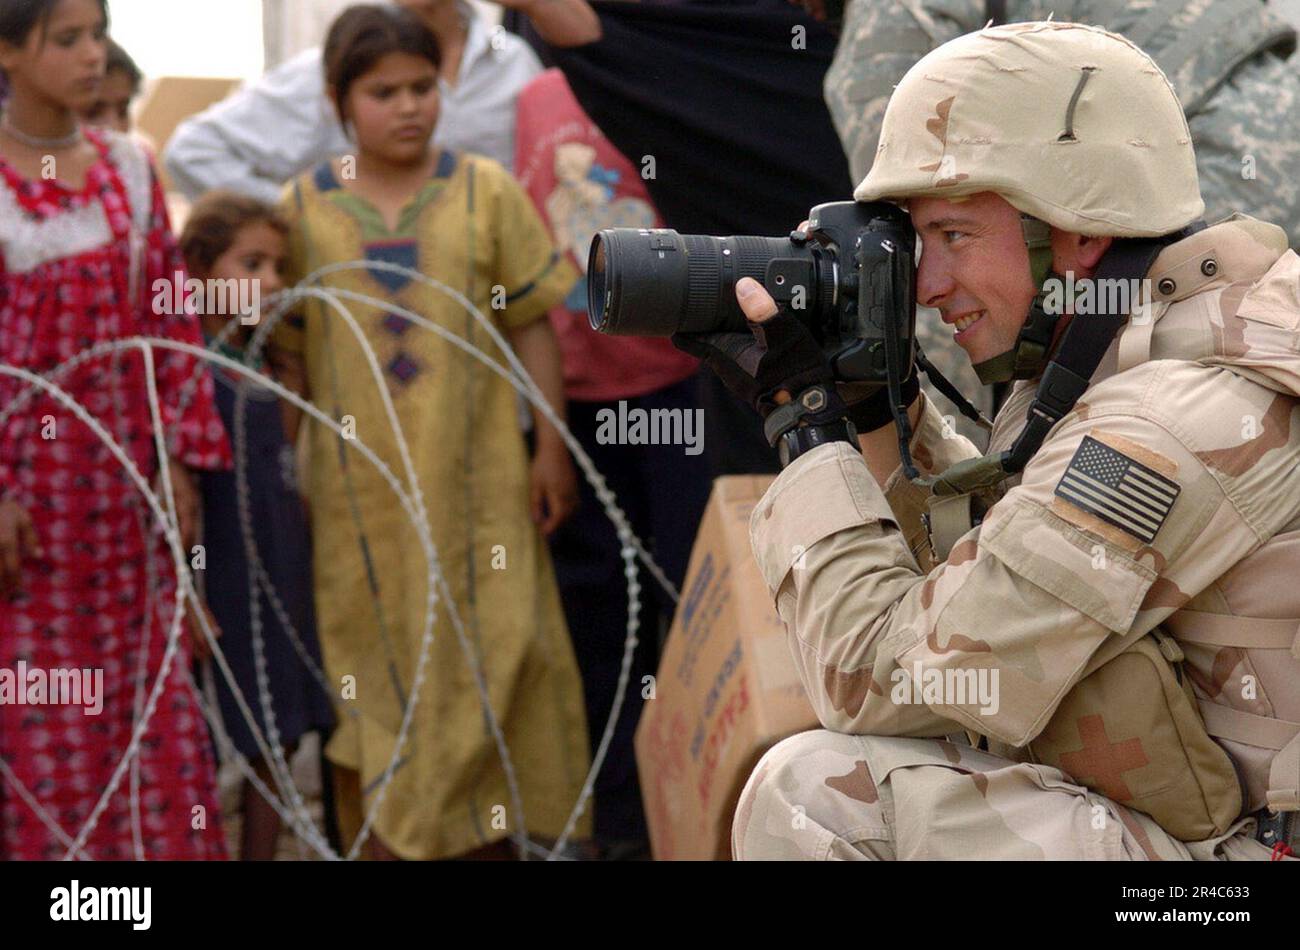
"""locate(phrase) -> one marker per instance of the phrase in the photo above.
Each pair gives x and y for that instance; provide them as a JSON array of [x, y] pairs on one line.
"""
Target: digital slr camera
[[849, 276]]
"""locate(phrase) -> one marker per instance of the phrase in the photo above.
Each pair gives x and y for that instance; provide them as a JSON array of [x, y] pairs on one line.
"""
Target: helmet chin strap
[[1028, 357]]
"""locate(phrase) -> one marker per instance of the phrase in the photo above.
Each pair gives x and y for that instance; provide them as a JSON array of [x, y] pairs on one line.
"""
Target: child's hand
[[554, 486], [199, 642], [288, 369], [17, 540], [185, 490]]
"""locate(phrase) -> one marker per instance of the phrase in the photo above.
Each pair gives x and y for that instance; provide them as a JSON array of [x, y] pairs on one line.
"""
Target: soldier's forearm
[[846, 587], [935, 446]]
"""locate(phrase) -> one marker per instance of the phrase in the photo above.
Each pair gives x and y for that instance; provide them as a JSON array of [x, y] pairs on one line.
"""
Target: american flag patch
[[1118, 490]]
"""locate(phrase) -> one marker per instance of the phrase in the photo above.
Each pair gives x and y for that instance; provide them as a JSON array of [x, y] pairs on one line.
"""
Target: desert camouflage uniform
[[1045, 592], [1223, 57]]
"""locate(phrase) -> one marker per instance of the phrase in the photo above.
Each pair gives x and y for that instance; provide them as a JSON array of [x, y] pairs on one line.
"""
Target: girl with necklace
[[86, 582]]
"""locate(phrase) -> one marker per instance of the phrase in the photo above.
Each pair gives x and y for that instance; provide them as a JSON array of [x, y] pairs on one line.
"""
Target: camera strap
[[953, 394]]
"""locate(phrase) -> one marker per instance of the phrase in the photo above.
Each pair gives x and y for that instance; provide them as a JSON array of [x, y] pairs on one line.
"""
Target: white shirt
[[284, 123]]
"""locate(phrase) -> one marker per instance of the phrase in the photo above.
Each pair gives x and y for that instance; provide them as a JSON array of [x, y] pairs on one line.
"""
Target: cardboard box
[[726, 689]]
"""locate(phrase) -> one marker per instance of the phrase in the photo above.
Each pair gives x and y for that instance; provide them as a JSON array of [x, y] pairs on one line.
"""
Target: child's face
[[394, 108], [112, 107], [61, 62], [256, 255]]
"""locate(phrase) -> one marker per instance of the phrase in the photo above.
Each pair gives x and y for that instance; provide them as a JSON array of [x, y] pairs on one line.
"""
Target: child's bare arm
[[554, 482], [539, 351], [290, 371]]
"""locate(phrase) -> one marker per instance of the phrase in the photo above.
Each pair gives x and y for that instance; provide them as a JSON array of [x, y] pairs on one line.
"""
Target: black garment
[[284, 548], [663, 491], [733, 115], [730, 110], [734, 443]]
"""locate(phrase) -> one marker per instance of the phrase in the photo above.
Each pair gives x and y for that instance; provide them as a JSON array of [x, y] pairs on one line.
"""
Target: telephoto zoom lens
[[657, 282]]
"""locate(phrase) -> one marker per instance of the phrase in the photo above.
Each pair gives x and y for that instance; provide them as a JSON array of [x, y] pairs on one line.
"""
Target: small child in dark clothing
[[229, 237]]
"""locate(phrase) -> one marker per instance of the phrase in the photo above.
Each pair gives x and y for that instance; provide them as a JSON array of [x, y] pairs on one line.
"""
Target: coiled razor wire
[[524, 384], [185, 580], [173, 540], [225, 748], [297, 817], [185, 585]]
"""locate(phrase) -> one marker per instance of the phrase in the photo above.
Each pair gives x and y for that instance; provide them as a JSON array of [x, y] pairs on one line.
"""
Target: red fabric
[[599, 189], [88, 603]]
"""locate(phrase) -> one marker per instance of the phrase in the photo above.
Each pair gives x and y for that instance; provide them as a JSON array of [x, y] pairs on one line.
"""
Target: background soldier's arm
[[257, 139], [879, 42]]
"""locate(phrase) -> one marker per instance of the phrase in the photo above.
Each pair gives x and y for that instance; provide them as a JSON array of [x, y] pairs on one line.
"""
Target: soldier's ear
[[1092, 249], [1077, 253]]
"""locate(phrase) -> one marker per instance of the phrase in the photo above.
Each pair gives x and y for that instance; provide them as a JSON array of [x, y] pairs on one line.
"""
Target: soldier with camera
[[1227, 59], [1081, 644]]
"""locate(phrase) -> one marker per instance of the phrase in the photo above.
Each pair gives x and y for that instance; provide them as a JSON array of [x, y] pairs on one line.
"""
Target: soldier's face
[[974, 270]]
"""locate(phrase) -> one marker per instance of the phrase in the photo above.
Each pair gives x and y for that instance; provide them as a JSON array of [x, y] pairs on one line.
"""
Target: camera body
[[849, 276]]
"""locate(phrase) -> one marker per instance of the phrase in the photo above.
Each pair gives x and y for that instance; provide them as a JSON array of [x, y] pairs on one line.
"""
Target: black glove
[[777, 354], [781, 354], [873, 411]]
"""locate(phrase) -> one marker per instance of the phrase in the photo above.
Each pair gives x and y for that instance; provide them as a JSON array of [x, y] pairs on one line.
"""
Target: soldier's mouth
[[965, 323]]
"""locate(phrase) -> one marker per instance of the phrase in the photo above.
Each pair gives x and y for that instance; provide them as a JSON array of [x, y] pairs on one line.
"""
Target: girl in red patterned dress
[[85, 583]]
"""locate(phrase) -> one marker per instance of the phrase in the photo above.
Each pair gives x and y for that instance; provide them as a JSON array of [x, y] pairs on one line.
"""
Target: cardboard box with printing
[[726, 689]]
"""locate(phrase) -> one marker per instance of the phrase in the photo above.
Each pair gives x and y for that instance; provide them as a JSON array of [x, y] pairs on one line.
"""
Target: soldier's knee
[[801, 745], [780, 789]]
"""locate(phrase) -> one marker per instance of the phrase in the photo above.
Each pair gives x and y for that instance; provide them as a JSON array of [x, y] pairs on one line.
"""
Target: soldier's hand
[[17, 541], [869, 407], [777, 359], [867, 403]]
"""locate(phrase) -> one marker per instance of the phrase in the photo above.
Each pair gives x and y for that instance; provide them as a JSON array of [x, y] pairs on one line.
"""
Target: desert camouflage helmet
[[1071, 124]]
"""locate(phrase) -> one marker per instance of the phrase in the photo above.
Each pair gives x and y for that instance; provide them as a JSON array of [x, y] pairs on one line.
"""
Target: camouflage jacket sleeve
[[879, 42], [1035, 595]]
